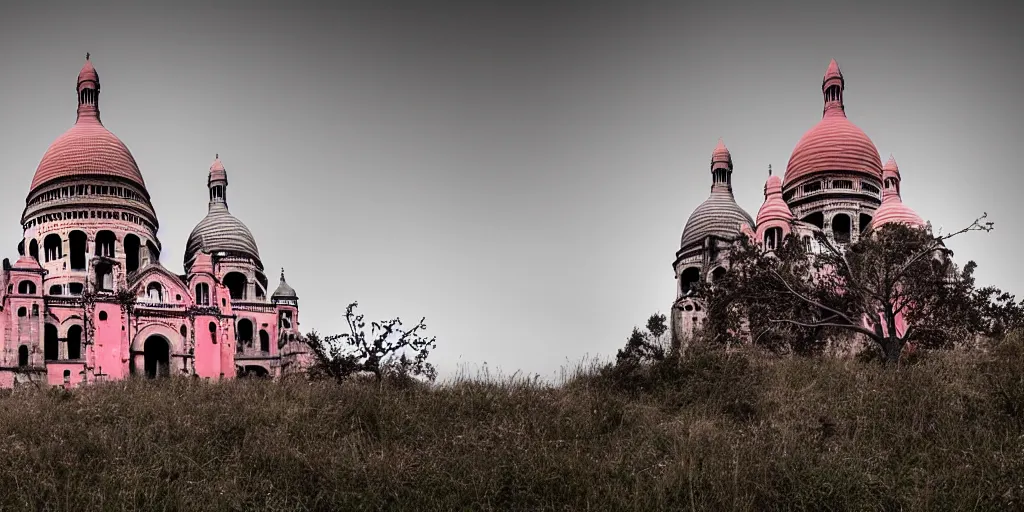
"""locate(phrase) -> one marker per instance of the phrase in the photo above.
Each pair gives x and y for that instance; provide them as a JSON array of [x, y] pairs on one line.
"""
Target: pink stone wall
[[111, 355], [208, 362]]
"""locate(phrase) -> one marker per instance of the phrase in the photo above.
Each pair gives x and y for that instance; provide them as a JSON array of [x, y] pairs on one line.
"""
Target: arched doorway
[[252, 371], [157, 357]]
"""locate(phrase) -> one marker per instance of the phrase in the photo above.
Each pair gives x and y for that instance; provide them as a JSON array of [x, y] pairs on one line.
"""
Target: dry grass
[[716, 432]]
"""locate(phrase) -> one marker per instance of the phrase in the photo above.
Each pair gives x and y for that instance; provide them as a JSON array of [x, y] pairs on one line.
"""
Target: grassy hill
[[715, 432]]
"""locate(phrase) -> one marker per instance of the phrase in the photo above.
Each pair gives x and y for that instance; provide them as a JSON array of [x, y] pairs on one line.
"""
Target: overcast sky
[[519, 175]]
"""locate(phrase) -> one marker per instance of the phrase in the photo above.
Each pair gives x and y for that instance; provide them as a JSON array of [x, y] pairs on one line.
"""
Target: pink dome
[[834, 144], [88, 148], [774, 208], [893, 210]]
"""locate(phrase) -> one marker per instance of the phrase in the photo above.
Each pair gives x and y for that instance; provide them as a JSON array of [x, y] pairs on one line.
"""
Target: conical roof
[[284, 290], [773, 208], [892, 209]]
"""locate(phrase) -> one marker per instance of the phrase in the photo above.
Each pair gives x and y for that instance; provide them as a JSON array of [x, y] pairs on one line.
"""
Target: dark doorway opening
[[157, 357]]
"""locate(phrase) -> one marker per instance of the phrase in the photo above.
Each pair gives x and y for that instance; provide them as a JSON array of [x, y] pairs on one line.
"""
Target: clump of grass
[[708, 431]]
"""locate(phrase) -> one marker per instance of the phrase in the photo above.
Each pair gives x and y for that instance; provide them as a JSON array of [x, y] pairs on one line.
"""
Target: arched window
[[154, 292], [236, 283], [75, 288], [203, 294], [184, 332], [76, 248], [75, 342], [773, 238], [717, 274], [21, 248], [286, 320], [816, 218], [841, 228], [105, 241], [56, 290], [244, 332], [132, 247], [154, 253], [213, 332], [807, 243], [104, 276], [22, 312], [865, 220], [33, 249], [35, 309], [689, 280], [264, 341], [27, 288], [23, 356], [103, 316], [51, 347], [52, 247]]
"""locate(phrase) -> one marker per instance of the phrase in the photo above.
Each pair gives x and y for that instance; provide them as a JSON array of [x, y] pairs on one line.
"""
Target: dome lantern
[[718, 216], [220, 232]]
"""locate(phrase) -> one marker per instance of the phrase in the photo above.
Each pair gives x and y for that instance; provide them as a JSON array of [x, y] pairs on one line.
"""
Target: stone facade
[[88, 300], [834, 184]]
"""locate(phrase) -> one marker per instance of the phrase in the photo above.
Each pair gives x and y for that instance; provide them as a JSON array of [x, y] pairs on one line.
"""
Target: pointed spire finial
[[769, 169], [86, 55], [216, 155], [282, 273]]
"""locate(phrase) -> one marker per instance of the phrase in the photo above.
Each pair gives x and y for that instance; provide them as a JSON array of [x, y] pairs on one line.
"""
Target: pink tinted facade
[[88, 300], [834, 185]]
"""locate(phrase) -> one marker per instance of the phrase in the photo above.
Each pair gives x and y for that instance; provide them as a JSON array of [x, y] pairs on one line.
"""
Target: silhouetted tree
[[383, 353], [864, 288], [646, 345]]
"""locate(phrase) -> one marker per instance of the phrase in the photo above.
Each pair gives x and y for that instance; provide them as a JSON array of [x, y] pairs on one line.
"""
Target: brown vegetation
[[708, 431]]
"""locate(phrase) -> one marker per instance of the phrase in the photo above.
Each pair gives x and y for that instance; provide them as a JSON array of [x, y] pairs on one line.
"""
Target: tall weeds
[[710, 431]]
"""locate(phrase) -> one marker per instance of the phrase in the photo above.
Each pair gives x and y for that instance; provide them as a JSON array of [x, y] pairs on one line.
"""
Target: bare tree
[[385, 352], [898, 271]]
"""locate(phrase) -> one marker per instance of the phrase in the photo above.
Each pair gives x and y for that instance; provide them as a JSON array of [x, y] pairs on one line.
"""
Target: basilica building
[[835, 184], [88, 300]]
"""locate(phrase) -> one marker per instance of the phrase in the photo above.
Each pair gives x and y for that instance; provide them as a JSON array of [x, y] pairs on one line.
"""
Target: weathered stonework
[[834, 184], [88, 299]]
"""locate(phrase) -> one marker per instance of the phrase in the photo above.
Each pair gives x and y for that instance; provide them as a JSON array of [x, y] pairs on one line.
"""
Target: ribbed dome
[[88, 148], [718, 216], [773, 208], [834, 144], [221, 231], [892, 209]]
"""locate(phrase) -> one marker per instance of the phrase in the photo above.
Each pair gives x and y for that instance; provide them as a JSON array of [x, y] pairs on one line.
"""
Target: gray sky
[[519, 175]]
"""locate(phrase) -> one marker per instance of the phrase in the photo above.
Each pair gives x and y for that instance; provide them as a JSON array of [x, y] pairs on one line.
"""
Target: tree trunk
[[892, 347]]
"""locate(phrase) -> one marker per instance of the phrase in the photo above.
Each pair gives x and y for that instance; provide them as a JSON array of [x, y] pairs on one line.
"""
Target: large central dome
[[88, 148], [834, 144]]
